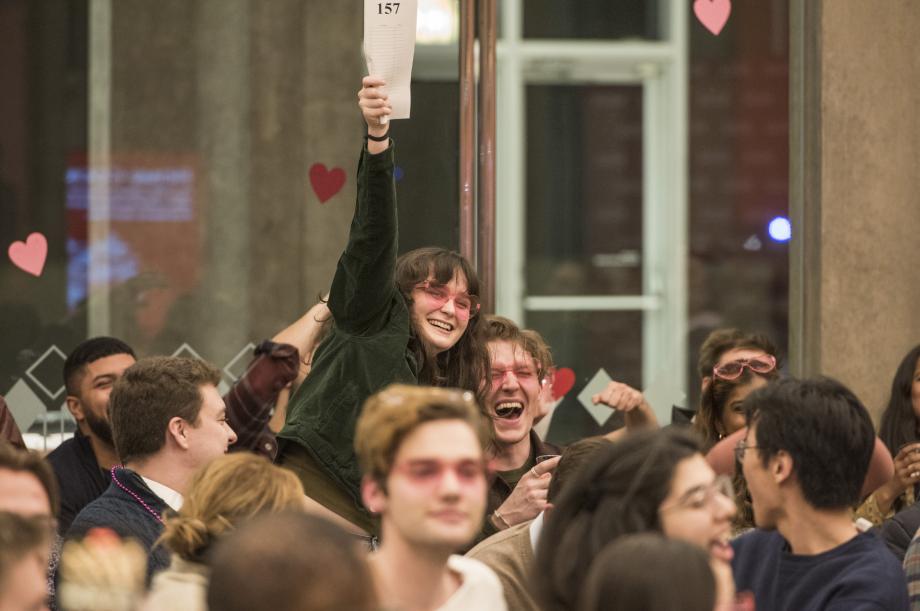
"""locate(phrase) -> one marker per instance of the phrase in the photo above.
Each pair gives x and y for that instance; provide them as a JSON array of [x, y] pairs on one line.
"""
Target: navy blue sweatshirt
[[859, 575]]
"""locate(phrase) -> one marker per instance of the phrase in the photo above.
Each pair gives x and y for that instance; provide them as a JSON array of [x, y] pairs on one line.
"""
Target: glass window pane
[[592, 19], [231, 185], [584, 190], [739, 177], [43, 131], [586, 342], [427, 157]]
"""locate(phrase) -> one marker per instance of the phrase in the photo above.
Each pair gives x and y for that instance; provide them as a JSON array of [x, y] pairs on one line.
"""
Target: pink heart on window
[[326, 183], [29, 256], [713, 13], [563, 381]]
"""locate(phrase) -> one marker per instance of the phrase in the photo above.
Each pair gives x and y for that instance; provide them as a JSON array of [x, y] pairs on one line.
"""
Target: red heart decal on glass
[[29, 256], [326, 183], [713, 13], [563, 381]]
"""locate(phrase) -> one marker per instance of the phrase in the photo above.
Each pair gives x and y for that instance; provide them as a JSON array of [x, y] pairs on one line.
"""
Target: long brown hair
[[618, 492], [714, 402], [465, 364], [718, 391], [224, 493]]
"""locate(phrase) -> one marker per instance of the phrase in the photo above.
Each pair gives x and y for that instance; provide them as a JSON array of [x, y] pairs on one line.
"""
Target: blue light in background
[[780, 229]]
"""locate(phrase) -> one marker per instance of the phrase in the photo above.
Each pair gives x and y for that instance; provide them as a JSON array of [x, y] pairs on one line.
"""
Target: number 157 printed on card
[[389, 48]]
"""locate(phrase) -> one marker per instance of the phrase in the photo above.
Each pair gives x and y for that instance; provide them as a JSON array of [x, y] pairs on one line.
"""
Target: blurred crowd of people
[[381, 453]]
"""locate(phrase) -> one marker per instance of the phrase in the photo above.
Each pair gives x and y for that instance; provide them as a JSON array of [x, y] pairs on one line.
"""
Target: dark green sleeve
[[363, 286]]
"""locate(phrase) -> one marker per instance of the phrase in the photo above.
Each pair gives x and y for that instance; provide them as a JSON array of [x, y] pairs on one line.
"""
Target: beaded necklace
[[149, 509]]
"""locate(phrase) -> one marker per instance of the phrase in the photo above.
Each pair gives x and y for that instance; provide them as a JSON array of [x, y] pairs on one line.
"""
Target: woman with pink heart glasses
[[732, 365], [411, 319]]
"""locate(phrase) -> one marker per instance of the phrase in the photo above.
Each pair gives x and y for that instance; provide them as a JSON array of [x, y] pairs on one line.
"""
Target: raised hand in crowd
[[306, 333], [528, 498], [637, 412], [906, 475], [375, 105]]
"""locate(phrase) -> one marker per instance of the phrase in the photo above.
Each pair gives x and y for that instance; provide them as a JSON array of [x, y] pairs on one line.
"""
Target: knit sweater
[[120, 508]]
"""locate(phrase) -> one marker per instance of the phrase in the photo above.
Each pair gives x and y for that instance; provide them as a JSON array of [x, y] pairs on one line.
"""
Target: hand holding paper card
[[389, 48]]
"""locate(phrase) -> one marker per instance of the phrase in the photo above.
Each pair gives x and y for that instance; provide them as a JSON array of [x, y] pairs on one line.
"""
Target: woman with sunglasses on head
[[654, 481], [732, 365], [411, 319]]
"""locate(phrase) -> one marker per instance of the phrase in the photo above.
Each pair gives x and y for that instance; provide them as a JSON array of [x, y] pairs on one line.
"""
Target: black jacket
[[899, 530], [79, 477]]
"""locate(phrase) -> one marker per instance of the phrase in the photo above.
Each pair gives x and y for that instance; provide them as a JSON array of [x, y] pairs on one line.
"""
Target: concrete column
[[332, 133], [855, 151]]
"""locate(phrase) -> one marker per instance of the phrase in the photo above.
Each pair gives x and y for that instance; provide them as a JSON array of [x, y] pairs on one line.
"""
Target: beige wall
[[863, 202]]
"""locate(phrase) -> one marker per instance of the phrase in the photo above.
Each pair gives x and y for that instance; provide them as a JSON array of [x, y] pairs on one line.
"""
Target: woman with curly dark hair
[[732, 365], [650, 481]]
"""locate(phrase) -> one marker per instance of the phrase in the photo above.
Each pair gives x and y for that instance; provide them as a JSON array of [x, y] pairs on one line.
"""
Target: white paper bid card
[[389, 47]]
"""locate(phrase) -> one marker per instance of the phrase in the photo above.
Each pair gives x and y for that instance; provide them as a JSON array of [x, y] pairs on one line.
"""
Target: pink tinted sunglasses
[[428, 472], [467, 306], [732, 370]]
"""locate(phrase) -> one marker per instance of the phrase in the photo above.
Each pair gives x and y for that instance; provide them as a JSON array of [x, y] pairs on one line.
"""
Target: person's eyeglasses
[[740, 449], [700, 497], [430, 472], [732, 370], [466, 305]]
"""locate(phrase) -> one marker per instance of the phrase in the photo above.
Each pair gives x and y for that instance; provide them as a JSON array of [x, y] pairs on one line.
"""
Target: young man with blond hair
[[421, 453]]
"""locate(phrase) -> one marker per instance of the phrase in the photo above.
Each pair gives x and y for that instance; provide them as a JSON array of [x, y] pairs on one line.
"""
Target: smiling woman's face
[[439, 326], [694, 511]]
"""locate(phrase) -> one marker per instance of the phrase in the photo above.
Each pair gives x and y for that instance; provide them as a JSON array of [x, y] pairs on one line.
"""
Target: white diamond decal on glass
[[232, 364], [599, 382], [52, 350], [24, 404], [186, 351]]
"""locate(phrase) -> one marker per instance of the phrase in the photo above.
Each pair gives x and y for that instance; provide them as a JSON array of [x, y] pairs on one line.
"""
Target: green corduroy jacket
[[368, 346]]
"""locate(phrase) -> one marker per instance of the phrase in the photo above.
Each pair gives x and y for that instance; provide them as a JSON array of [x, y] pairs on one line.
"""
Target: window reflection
[[584, 190]]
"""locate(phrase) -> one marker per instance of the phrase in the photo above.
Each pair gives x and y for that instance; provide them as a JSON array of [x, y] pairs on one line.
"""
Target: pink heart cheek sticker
[[29, 256], [326, 183], [563, 381], [713, 13]]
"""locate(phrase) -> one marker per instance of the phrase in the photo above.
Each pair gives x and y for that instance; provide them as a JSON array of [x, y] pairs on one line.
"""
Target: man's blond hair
[[225, 493], [390, 415]]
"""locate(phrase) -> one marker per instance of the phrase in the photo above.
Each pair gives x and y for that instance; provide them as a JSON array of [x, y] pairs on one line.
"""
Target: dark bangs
[[415, 266]]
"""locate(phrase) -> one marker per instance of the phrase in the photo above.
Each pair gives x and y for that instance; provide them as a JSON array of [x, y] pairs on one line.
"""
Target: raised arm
[[251, 398], [363, 284], [305, 334], [637, 413], [375, 105]]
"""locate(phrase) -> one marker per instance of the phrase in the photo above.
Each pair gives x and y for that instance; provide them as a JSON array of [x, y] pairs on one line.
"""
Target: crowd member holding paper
[[411, 319]]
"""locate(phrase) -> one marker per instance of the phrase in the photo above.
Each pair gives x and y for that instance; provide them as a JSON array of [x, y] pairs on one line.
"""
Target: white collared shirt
[[172, 498]]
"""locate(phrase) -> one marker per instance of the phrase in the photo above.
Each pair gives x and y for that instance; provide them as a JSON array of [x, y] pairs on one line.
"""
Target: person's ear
[[373, 495], [781, 467], [75, 408], [704, 383], [177, 429]]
